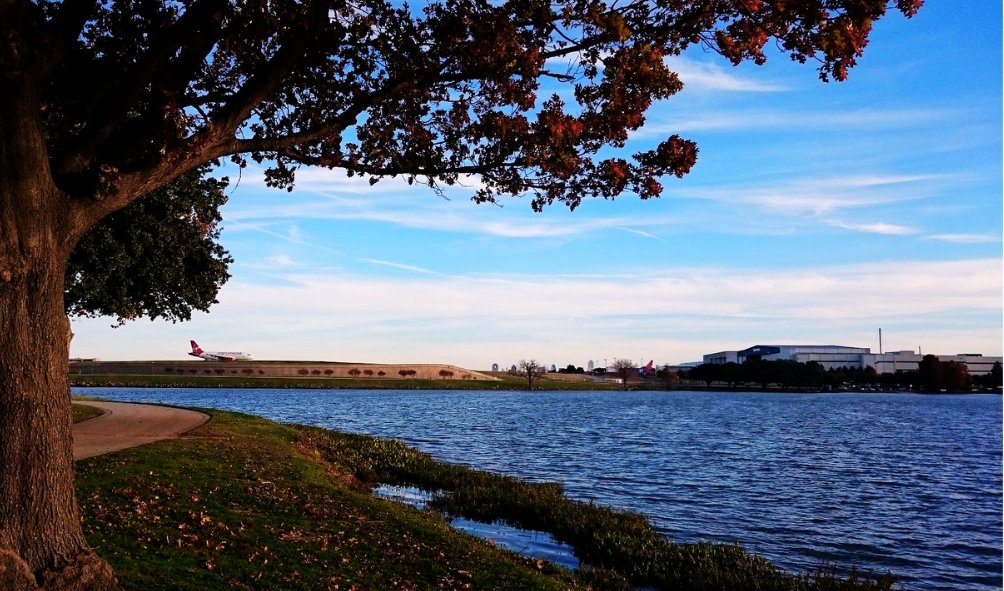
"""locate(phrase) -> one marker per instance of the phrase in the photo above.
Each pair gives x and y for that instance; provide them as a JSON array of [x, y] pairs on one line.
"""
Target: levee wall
[[278, 370]]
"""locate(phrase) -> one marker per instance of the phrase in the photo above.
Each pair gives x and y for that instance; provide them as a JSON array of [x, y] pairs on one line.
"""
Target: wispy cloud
[[966, 238], [573, 318], [408, 209], [400, 266], [820, 196], [712, 76], [875, 228], [280, 260], [640, 233], [234, 223], [778, 120]]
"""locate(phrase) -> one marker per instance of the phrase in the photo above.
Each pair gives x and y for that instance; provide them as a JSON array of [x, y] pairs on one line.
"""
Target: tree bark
[[41, 541]]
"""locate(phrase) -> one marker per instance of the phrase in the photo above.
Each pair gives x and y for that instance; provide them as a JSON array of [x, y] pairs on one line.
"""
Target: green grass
[[237, 505], [196, 381], [82, 412]]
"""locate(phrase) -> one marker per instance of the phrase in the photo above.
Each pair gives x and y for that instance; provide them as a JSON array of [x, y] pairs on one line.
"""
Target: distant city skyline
[[816, 214]]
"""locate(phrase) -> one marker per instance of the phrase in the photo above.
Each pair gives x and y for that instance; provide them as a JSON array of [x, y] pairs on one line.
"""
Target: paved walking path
[[127, 425]]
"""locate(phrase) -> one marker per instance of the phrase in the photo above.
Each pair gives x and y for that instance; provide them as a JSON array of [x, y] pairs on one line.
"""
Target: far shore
[[504, 383]]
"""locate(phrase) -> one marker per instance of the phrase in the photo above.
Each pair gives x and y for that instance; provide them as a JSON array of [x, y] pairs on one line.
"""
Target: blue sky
[[817, 214]]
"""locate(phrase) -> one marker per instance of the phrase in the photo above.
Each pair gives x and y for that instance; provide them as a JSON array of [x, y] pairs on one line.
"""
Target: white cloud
[[713, 76], [821, 195], [670, 316], [784, 120], [280, 260], [876, 228], [416, 210], [399, 266], [966, 238], [640, 233]]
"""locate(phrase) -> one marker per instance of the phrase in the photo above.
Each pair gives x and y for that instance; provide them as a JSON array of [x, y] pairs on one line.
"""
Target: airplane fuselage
[[222, 356], [218, 355]]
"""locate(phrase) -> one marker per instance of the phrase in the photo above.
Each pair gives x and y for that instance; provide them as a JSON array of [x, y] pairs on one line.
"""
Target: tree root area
[[87, 573]]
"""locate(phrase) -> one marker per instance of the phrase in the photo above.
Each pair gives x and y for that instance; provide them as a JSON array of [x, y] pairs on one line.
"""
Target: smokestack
[[880, 341]]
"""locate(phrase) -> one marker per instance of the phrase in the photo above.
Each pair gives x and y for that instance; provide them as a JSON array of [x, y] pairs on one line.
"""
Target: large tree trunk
[[41, 542]]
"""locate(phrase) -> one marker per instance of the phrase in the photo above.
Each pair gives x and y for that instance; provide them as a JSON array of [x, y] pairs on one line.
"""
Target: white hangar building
[[836, 356]]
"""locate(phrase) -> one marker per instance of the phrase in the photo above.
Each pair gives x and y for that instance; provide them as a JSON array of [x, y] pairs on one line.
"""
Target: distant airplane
[[647, 368], [218, 355]]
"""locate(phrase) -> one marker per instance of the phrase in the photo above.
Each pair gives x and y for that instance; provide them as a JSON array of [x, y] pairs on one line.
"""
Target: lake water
[[888, 482]]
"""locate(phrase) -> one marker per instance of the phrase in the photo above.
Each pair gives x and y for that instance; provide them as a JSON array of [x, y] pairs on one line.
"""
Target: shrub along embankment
[[622, 547]]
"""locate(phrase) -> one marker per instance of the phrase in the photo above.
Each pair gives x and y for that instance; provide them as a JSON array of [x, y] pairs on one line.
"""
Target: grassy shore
[[504, 383], [246, 503]]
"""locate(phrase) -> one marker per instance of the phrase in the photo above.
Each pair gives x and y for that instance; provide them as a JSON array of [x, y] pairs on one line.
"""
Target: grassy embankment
[[246, 503], [505, 382]]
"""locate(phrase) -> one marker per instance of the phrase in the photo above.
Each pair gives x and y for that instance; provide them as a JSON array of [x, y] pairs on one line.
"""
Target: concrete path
[[127, 425]]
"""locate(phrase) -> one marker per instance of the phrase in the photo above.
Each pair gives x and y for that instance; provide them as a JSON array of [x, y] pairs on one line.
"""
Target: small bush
[[303, 372], [261, 372], [368, 372], [354, 372], [247, 371], [403, 373], [220, 371], [381, 373], [328, 372], [168, 369], [207, 371], [193, 371], [316, 372]]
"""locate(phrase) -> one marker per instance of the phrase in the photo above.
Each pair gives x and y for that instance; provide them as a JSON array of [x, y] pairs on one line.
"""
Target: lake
[[888, 482]]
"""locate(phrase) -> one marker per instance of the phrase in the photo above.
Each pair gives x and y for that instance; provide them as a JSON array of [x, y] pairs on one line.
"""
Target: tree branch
[[118, 101], [64, 29]]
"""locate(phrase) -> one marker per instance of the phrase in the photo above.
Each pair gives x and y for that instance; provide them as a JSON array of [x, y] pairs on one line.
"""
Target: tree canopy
[[157, 257], [102, 103], [138, 93]]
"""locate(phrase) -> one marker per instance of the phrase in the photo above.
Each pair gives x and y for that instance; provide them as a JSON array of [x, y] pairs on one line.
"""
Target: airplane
[[646, 369], [218, 355]]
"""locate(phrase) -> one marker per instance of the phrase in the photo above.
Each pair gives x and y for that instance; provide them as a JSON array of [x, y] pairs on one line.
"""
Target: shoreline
[[509, 384], [246, 502]]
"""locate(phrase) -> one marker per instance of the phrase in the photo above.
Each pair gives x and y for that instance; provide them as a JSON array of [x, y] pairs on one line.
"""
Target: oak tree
[[157, 257], [104, 102]]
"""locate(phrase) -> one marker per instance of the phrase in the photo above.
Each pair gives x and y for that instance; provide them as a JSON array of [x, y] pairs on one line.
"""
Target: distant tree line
[[571, 369], [785, 374], [932, 375]]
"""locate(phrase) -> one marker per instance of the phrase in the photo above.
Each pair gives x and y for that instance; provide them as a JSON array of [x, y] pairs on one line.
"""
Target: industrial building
[[836, 356]]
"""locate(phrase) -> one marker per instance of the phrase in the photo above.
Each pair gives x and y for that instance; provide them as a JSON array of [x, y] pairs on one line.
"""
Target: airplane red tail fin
[[195, 348], [649, 366]]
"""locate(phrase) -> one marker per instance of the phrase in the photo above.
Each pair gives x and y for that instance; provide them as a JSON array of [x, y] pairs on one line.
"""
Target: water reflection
[[534, 544]]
